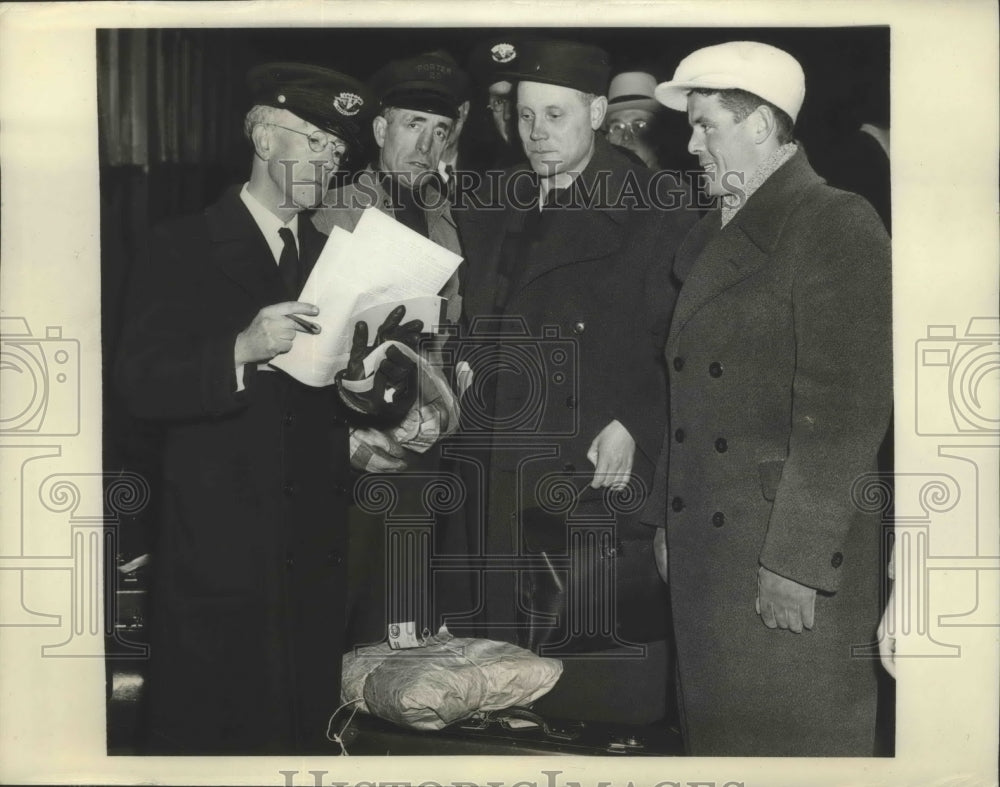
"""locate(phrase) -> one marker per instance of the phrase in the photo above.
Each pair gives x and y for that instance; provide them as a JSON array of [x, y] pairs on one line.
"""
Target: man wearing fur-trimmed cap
[[248, 588], [780, 387], [578, 274]]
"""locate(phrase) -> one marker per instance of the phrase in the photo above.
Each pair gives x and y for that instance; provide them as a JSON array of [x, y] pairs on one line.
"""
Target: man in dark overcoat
[[780, 369], [247, 602], [568, 297]]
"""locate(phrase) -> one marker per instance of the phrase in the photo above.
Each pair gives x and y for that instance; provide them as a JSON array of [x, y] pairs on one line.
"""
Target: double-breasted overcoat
[[780, 367]]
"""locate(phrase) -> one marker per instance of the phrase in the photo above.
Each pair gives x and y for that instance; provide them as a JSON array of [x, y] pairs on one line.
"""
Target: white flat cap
[[763, 70]]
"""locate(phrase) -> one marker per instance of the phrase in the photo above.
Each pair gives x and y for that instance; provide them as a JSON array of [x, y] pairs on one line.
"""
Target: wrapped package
[[444, 680]]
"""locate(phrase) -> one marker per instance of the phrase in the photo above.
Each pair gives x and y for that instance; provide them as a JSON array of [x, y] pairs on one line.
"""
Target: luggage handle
[[505, 716]]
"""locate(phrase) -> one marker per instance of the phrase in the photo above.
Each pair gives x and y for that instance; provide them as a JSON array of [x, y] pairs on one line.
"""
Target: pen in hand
[[310, 327]]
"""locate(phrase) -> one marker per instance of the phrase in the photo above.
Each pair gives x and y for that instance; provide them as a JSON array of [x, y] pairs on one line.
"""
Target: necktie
[[288, 264]]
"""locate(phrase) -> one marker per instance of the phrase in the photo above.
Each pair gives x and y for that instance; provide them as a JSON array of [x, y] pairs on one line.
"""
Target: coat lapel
[[712, 260], [579, 233], [240, 251]]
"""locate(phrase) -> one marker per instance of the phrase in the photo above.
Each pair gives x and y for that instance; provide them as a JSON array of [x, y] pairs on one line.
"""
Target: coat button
[[836, 560], [679, 435], [571, 402], [678, 363], [340, 490], [677, 504], [718, 519], [288, 489], [715, 369], [289, 419], [579, 327], [721, 445], [289, 562], [334, 558]]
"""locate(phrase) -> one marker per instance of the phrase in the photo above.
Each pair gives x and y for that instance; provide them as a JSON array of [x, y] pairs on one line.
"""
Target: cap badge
[[503, 53], [348, 103]]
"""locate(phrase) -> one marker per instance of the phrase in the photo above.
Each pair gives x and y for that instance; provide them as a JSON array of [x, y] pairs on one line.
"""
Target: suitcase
[[516, 731]]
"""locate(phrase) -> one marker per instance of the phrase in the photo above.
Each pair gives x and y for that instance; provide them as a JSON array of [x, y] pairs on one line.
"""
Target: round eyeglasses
[[319, 141], [636, 128], [497, 103]]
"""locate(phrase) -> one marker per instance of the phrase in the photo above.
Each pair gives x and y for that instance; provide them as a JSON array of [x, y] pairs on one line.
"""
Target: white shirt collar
[[268, 223]]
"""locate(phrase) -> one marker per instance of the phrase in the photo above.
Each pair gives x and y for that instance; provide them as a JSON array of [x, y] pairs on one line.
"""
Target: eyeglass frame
[[630, 126], [312, 137], [496, 103]]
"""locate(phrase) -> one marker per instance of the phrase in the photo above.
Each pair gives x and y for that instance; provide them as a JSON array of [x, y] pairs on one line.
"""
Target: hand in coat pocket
[[784, 603], [612, 453]]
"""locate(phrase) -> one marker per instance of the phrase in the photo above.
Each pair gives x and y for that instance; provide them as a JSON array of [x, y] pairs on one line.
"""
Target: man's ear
[[598, 109], [261, 138], [380, 127], [762, 124]]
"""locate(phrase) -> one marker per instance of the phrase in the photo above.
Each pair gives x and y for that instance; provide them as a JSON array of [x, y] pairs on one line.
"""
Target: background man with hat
[[247, 599], [553, 265], [632, 116], [487, 64], [780, 374]]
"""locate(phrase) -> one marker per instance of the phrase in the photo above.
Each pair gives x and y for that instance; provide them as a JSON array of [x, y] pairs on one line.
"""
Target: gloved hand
[[784, 603], [386, 396], [391, 331]]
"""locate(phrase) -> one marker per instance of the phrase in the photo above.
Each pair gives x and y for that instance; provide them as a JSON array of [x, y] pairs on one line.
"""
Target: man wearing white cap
[[780, 378]]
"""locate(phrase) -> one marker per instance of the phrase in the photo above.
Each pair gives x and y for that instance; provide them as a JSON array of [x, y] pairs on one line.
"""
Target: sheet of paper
[[382, 262], [391, 262]]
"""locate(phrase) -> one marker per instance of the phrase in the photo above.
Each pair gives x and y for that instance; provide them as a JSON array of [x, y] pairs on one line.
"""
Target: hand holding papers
[[364, 275]]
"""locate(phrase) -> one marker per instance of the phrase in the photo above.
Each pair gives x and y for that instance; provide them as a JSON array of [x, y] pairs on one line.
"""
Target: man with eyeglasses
[[247, 602], [631, 122]]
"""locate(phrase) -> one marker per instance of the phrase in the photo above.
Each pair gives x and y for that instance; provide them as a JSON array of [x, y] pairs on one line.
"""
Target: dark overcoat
[[247, 600], [561, 345], [780, 365]]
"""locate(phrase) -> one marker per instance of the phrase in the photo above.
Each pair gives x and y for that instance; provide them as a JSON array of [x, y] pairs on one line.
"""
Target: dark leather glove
[[391, 331], [386, 397]]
